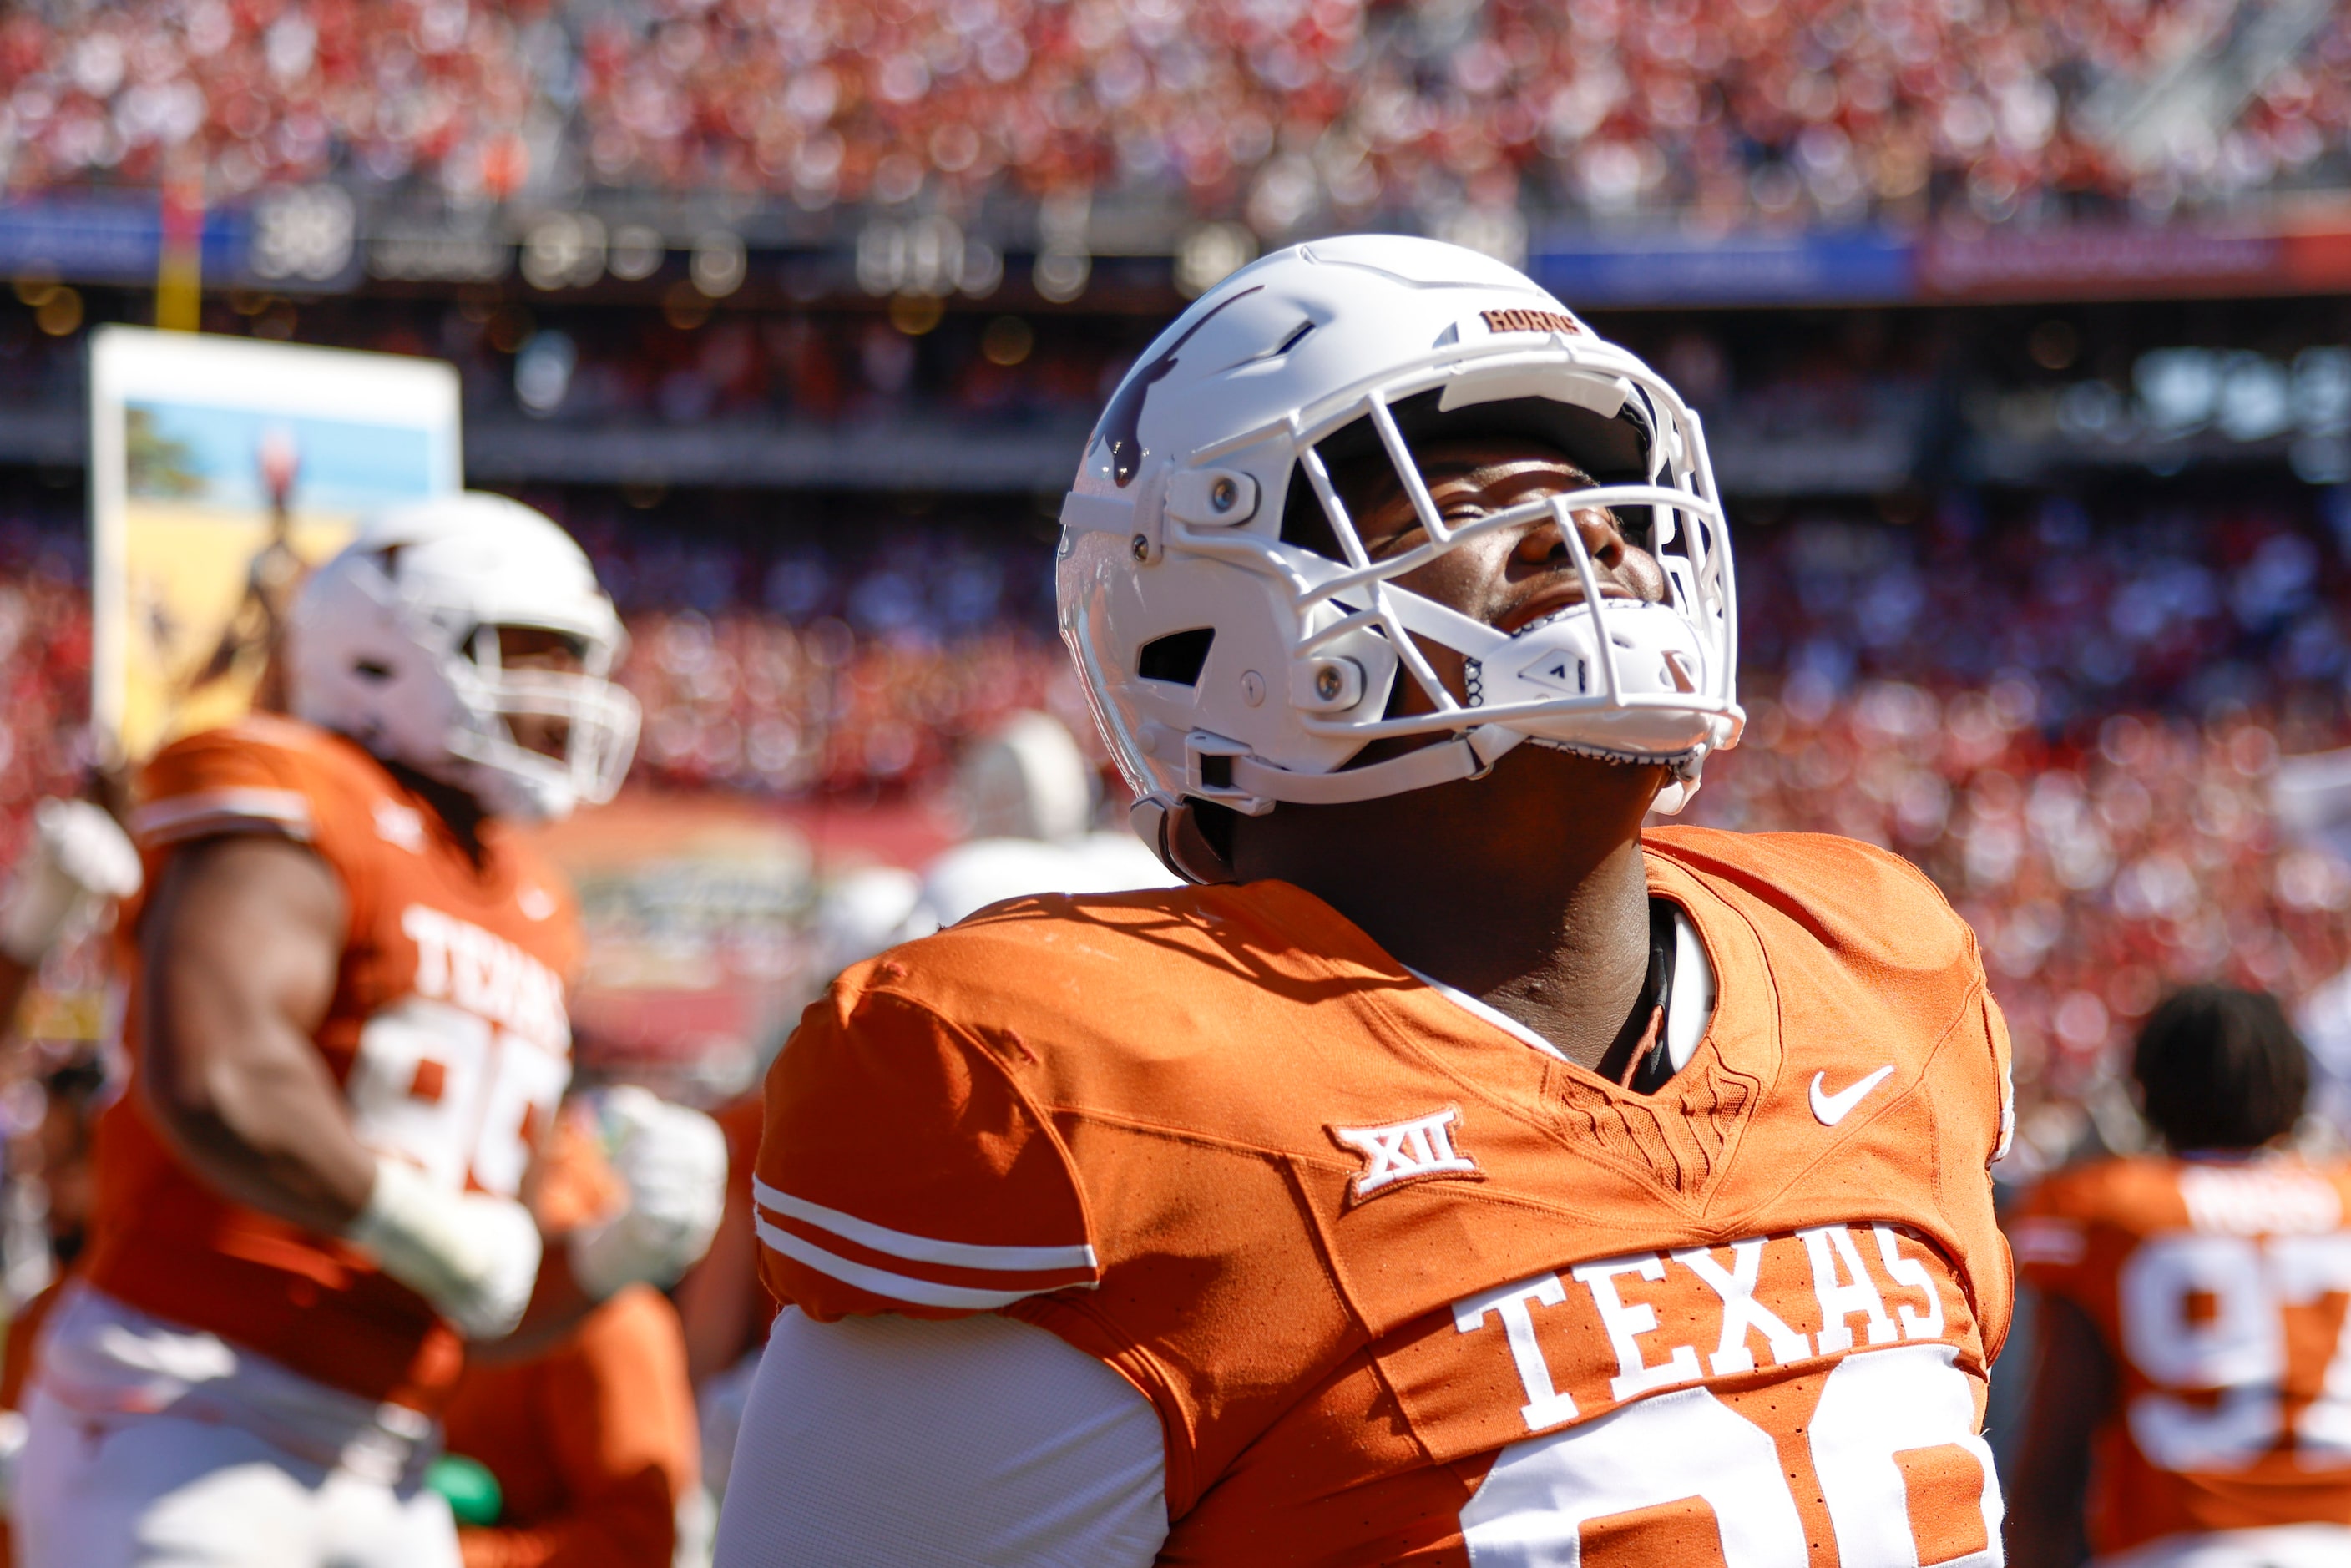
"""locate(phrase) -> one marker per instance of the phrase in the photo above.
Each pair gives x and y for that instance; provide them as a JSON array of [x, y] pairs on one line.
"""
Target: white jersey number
[[1670, 1476], [2203, 1314], [454, 1094]]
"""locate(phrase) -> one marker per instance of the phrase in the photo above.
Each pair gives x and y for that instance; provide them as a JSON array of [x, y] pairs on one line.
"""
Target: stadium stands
[[751, 702], [2022, 333], [2071, 724], [2069, 721], [1276, 110], [44, 672]]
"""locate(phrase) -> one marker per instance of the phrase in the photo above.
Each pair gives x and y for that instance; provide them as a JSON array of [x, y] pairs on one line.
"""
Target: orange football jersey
[[1404, 1288], [2222, 1290], [594, 1444], [447, 1032]]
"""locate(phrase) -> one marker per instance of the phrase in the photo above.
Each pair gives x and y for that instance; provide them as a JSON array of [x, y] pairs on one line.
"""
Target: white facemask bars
[[1701, 586], [600, 719]]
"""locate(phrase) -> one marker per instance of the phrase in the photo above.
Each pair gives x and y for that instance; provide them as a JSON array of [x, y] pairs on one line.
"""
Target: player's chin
[[1581, 780], [551, 740]]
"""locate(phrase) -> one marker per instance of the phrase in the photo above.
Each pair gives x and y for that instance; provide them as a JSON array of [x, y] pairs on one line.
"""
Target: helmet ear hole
[[1176, 657]]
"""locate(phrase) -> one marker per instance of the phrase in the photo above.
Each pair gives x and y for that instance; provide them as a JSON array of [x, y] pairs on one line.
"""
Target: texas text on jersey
[[1402, 1288], [2220, 1287], [447, 1033]]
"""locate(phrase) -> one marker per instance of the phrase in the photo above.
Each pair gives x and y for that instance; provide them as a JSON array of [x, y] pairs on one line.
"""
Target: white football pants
[[2280, 1546], [162, 1492]]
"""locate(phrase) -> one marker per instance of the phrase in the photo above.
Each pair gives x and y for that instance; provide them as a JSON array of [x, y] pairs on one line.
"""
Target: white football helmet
[[1026, 778], [394, 642], [1236, 640]]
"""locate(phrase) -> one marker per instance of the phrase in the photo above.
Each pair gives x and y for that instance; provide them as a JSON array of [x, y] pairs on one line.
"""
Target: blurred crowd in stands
[[593, 365], [2071, 721], [611, 365], [2073, 725], [745, 699], [824, 367], [1277, 110], [44, 670]]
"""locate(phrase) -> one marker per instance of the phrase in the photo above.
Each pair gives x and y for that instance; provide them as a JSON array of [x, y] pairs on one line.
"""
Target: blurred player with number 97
[[2194, 1382], [348, 1033]]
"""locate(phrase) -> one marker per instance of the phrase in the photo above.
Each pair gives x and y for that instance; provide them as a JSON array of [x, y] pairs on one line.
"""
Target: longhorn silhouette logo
[[1122, 421]]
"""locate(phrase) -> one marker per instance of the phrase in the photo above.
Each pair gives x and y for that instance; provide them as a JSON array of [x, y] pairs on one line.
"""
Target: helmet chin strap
[[502, 789], [1471, 753], [1466, 754]]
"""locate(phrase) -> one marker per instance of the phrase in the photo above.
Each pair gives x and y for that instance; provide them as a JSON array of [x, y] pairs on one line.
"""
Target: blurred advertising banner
[[1737, 268], [221, 470], [693, 907]]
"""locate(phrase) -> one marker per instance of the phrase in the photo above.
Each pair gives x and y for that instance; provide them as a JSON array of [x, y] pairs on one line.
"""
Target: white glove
[[673, 1162], [473, 1256], [78, 856], [13, 1432]]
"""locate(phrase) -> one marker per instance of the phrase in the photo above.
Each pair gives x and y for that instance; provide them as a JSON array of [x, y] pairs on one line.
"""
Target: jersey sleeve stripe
[[937, 1273], [924, 1248], [208, 812], [881, 1282]]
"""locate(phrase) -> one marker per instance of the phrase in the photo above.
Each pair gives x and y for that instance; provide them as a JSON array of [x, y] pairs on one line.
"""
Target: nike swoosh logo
[[1831, 1108]]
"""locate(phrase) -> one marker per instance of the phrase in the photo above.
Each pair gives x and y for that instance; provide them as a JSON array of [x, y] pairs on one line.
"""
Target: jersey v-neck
[[1689, 1004]]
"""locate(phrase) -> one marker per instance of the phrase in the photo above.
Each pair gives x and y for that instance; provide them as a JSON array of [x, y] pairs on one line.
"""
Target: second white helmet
[[1238, 645], [394, 642]]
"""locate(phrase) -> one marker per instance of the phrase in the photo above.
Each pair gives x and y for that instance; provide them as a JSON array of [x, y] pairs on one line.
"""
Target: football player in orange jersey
[[348, 1030], [591, 1444], [1462, 1173], [2194, 1380]]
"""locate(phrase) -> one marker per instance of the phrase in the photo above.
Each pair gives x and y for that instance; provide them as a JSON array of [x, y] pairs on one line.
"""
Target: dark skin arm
[[2072, 1391], [241, 949]]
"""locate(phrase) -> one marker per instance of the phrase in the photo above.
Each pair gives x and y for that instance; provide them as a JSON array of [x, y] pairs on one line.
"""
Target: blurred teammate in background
[[2194, 1378], [1029, 798], [591, 1444], [76, 860], [71, 1096], [348, 1035]]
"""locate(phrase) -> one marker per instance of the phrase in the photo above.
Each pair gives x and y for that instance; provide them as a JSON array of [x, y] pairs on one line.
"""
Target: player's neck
[[1525, 888], [459, 811]]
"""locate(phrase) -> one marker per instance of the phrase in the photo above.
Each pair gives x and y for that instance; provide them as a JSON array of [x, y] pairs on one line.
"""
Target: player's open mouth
[[1552, 604]]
